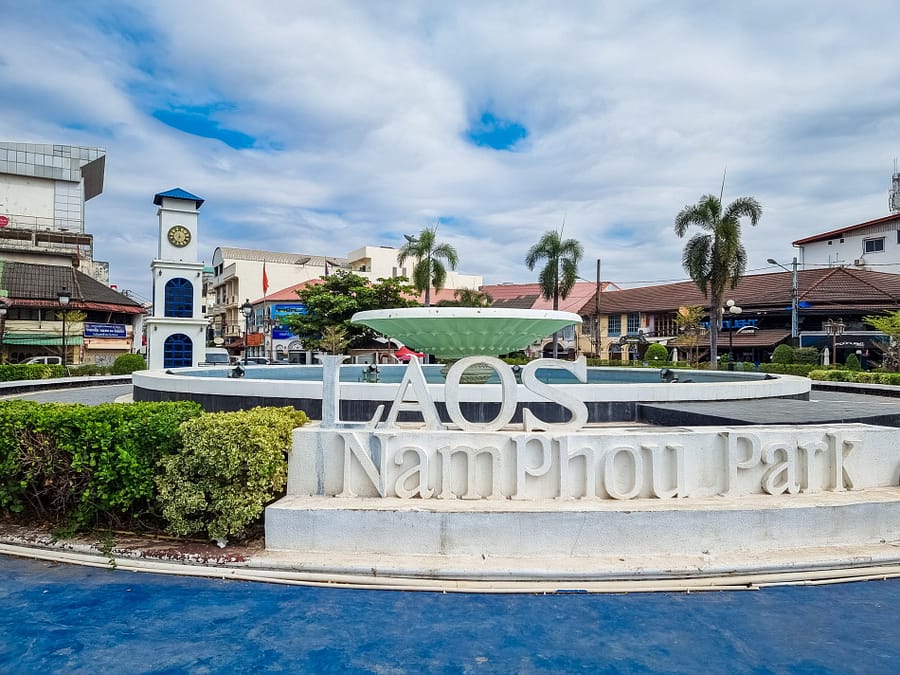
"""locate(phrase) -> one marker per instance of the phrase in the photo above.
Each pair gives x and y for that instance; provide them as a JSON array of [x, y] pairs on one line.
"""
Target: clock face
[[179, 236]]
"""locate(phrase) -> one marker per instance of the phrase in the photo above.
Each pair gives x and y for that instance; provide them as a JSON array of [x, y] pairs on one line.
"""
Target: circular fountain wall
[[610, 394]]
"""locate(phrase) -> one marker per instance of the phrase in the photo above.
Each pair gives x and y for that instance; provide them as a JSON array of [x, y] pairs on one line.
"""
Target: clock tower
[[176, 331]]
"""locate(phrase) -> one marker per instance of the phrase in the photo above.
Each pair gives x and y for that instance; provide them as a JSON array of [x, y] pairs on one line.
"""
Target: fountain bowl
[[456, 332]]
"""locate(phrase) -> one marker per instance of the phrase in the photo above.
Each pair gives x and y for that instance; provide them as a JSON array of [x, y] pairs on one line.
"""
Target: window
[[179, 298], [615, 325], [634, 322], [178, 351], [873, 245]]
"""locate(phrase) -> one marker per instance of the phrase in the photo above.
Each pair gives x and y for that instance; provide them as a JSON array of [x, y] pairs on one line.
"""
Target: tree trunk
[[714, 318]]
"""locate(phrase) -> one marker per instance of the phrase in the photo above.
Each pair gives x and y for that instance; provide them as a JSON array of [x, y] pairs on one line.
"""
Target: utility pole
[[597, 313]]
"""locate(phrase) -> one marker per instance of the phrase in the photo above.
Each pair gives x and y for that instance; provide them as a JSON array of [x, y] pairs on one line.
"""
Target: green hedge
[[35, 371], [84, 465], [864, 377], [143, 464]]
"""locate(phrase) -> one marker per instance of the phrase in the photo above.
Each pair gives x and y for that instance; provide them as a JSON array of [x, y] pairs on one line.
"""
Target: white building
[[238, 276], [43, 188], [872, 245]]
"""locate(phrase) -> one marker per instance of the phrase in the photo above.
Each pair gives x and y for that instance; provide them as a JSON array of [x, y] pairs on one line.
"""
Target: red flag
[[265, 280]]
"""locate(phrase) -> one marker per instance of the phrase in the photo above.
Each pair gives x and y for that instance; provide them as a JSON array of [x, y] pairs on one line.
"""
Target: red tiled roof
[[528, 296], [831, 289]]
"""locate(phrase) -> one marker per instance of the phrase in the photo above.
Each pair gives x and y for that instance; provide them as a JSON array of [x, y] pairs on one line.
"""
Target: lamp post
[[733, 309], [64, 297], [246, 310], [834, 328], [3, 310], [795, 296]]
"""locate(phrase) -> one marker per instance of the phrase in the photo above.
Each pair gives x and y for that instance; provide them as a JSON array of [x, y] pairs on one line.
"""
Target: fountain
[[506, 500]]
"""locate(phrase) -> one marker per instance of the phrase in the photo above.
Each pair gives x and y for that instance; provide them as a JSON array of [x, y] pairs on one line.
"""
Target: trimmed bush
[[230, 466], [656, 352], [85, 465], [802, 369], [806, 355], [783, 354], [852, 362], [126, 364]]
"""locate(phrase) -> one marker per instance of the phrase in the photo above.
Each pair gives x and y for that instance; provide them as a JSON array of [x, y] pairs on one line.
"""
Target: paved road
[[59, 618], [86, 395]]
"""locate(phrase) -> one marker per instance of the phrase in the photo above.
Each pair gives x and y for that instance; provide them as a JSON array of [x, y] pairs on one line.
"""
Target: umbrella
[[405, 354], [826, 357], [674, 354]]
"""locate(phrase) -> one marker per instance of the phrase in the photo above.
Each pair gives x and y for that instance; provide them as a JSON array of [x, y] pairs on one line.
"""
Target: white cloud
[[633, 111]]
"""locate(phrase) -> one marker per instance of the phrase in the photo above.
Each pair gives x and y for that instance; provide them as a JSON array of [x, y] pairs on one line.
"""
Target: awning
[[43, 339]]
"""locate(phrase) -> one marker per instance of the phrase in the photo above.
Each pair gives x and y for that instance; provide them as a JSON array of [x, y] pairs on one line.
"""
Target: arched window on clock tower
[[178, 351], [179, 298]]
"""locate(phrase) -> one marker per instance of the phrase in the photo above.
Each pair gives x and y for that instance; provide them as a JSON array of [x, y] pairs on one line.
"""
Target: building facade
[[43, 189], [242, 275], [872, 245]]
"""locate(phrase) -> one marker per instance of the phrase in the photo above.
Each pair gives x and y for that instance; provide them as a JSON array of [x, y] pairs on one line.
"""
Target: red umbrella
[[405, 354]]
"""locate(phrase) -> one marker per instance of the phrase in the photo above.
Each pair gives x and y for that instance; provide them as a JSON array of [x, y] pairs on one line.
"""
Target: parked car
[[256, 361], [216, 356], [45, 360]]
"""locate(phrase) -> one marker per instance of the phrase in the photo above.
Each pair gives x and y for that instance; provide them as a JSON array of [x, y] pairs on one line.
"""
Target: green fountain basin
[[456, 332]]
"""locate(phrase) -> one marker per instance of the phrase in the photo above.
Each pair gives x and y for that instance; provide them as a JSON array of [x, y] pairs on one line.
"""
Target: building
[[98, 323], [632, 318], [43, 189], [241, 275], [873, 245]]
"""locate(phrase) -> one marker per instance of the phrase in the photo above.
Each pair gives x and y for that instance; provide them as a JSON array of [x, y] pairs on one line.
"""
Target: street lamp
[[733, 309], [834, 328], [3, 310], [795, 300], [246, 310], [64, 297]]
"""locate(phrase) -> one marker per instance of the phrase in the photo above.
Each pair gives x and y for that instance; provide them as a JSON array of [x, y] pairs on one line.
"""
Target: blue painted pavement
[[59, 618]]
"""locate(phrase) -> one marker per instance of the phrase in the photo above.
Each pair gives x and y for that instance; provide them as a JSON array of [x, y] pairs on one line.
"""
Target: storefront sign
[[104, 330]]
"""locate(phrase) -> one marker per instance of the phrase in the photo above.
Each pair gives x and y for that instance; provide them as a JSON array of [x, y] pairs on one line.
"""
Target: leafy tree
[[429, 269], [71, 317], [889, 324], [715, 258], [334, 300], [334, 340], [468, 297], [688, 319], [558, 276]]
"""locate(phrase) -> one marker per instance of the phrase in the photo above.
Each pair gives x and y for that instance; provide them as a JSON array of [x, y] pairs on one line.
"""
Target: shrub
[[656, 352], [230, 466], [128, 363], [802, 369], [805, 355], [31, 371], [783, 354], [852, 362], [85, 464]]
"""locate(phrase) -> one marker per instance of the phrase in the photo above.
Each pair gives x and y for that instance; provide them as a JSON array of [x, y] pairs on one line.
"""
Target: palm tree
[[715, 258], [558, 276], [429, 270]]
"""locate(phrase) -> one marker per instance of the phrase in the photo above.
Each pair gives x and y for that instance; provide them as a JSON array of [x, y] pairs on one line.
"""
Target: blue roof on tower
[[177, 193]]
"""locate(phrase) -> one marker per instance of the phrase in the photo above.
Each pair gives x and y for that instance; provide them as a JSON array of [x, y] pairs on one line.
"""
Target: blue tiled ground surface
[[59, 618]]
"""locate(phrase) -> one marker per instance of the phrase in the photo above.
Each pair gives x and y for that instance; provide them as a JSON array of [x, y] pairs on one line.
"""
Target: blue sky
[[322, 126]]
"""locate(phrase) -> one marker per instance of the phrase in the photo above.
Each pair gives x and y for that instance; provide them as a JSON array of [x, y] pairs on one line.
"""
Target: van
[[44, 360], [217, 356]]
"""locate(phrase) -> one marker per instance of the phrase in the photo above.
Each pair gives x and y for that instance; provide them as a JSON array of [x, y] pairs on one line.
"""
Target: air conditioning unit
[[859, 262]]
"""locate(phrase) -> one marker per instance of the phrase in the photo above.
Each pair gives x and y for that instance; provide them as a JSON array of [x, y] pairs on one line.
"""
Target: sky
[[320, 127]]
